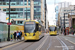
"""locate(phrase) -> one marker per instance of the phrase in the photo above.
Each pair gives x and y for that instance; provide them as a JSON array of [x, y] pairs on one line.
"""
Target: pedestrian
[[20, 35], [14, 35], [73, 32], [17, 35], [11, 37]]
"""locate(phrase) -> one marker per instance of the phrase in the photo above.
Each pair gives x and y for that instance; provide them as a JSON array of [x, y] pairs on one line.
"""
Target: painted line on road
[[63, 44], [69, 41], [42, 43], [49, 44]]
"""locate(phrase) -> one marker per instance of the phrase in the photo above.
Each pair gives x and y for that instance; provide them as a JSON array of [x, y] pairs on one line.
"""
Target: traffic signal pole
[[64, 23], [9, 25]]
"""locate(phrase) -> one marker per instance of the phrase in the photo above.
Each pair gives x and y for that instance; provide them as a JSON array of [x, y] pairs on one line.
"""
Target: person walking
[[11, 38], [14, 35], [20, 35], [17, 35]]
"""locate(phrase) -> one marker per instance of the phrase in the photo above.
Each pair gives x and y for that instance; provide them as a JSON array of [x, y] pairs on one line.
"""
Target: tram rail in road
[[64, 46], [42, 44]]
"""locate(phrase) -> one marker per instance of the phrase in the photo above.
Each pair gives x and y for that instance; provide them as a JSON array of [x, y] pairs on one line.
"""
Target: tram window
[[55, 28], [37, 27]]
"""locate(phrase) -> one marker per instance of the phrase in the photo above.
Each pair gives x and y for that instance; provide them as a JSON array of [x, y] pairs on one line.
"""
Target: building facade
[[66, 11], [20, 10], [58, 10], [71, 17]]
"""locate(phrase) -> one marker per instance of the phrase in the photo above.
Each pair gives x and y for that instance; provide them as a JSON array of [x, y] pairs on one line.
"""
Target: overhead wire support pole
[[64, 20], [64, 24], [9, 25], [26, 13]]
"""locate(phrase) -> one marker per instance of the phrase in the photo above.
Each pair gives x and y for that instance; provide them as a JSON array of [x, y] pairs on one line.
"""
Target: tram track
[[50, 39], [28, 46], [64, 46]]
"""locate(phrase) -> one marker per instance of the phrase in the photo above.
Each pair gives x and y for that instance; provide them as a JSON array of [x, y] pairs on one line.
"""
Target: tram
[[33, 30], [53, 30]]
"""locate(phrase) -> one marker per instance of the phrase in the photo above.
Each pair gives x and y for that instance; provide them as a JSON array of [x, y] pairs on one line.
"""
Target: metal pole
[[71, 19], [26, 13], [64, 24], [9, 25], [30, 9], [45, 14]]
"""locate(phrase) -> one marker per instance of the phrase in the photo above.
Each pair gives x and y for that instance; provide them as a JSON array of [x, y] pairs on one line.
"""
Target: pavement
[[68, 35], [6, 43]]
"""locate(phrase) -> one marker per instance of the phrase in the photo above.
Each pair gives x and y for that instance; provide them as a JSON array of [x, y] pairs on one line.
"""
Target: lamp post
[[9, 25], [64, 24]]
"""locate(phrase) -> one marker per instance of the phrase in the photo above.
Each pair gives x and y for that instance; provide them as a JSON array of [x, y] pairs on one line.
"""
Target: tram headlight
[[25, 35]]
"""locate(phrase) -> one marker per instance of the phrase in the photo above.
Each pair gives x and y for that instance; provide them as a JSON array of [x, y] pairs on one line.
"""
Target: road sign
[[8, 23]]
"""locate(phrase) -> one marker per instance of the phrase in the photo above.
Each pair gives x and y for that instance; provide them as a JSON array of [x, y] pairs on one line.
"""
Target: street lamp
[[8, 39], [64, 24]]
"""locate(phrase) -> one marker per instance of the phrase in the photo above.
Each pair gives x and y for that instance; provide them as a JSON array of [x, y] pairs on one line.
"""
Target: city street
[[37, 25], [47, 42]]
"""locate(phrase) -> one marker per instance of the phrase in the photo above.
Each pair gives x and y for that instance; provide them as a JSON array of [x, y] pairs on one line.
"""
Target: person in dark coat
[[17, 34], [14, 35], [20, 35]]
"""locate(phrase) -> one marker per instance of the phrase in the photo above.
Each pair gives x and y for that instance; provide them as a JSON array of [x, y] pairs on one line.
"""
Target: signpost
[[8, 39], [9, 23]]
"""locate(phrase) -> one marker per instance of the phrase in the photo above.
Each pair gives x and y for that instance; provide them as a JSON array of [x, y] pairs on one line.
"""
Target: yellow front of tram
[[52, 30], [31, 31]]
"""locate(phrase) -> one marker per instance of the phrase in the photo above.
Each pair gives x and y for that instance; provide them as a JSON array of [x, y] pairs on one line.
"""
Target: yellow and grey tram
[[53, 30], [32, 30]]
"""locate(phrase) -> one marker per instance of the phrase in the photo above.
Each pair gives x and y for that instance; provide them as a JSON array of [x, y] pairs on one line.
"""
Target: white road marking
[[49, 44], [42, 43], [63, 44], [70, 41]]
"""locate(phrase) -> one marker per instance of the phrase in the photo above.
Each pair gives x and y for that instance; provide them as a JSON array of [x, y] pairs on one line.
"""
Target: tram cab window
[[55, 28], [29, 28], [37, 27], [52, 28]]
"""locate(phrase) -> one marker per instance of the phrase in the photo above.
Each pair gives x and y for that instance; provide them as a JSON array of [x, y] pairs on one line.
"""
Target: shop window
[[13, 22], [12, 3], [20, 22], [4, 9], [4, 3], [28, 0], [13, 9], [25, 0]]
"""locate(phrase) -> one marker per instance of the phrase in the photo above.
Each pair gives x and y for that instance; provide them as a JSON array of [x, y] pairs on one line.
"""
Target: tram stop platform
[[7, 43]]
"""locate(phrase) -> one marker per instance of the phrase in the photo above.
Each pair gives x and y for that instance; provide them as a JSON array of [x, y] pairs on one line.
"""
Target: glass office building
[[20, 9]]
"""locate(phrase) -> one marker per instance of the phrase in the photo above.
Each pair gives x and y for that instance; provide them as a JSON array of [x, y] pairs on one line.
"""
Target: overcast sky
[[51, 9]]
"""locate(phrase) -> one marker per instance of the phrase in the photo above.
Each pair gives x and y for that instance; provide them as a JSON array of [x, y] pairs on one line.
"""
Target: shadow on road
[[53, 35]]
